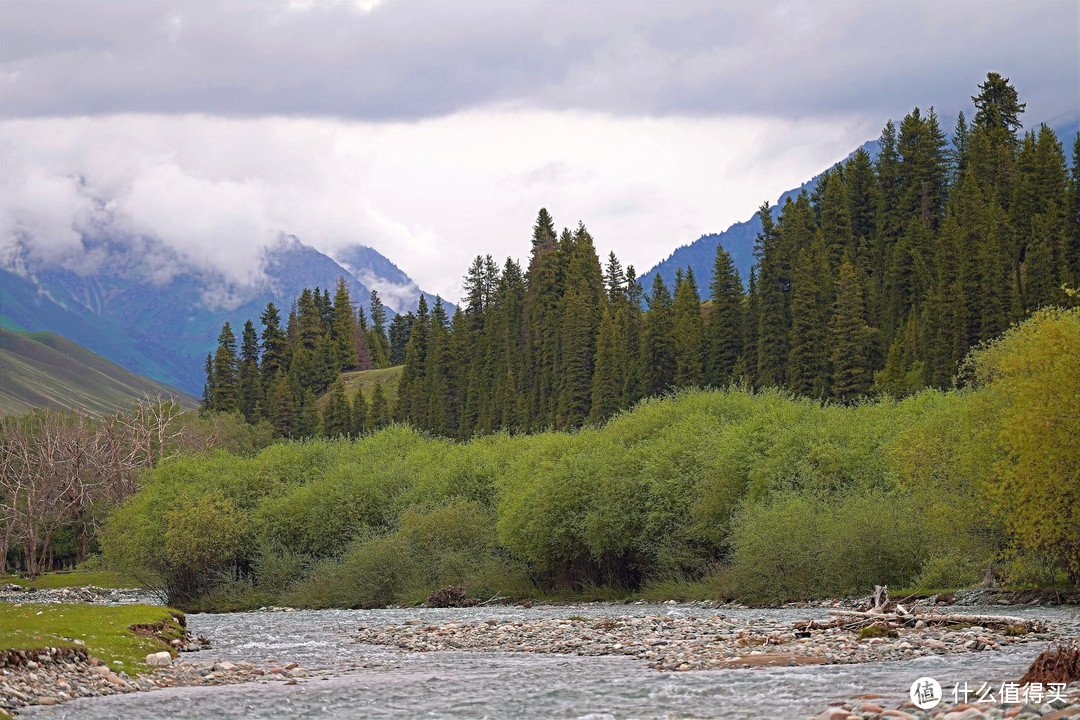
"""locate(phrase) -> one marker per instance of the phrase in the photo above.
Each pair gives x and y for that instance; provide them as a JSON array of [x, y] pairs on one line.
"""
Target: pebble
[[68, 678], [688, 643], [88, 595], [1059, 709]]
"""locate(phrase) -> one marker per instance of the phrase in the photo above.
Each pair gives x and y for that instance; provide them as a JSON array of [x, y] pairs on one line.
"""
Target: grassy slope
[[104, 630], [365, 380], [46, 370]]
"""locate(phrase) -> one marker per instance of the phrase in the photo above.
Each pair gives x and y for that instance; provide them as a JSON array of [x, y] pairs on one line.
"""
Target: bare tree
[[66, 468]]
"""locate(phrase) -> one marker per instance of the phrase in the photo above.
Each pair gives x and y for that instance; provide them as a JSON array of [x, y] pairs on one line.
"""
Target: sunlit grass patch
[[103, 630]]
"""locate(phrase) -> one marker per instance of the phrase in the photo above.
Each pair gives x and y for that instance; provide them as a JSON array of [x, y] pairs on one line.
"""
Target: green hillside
[[46, 370], [365, 381]]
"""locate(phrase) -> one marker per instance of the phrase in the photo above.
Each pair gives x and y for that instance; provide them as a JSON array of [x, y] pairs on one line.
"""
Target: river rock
[[159, 659]]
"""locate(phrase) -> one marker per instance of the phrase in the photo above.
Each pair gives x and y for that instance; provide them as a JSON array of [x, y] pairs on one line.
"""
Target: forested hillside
[[879, 281]]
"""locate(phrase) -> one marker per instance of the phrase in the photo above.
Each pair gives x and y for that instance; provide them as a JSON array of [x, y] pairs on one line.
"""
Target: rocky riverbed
[[1058, 705], [694, 643], [88, 594], [49, 676]]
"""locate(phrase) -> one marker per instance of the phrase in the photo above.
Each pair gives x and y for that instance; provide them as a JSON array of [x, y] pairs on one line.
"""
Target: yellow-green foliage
[[1033, 375], [103, 630], [757, 494]]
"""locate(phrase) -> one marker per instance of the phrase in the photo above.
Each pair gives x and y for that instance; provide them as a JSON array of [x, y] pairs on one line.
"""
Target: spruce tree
[[614, 278], [608, 380], [275, 347], [283, 404], [836, 223], [437, 372], [861, 188], [379, 341], [689, 333], [772, 330], [1040, 286], [998, 105], [1071, 251], [349, 343], [958, 156], [657, 360], [380, 410], [307, 416], [337, 415], [457, 377], [400, 330], [808, 359], [724, 323], [746, 367], [249, 384], [848, 334], [413, 387], [207, 402], [358, 415], [580, 309], [908, 275], [223, 381], [544, 279], [631, 329]]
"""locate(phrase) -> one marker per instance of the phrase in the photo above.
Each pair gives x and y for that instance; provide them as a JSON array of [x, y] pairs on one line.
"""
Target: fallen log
[[932, 617]]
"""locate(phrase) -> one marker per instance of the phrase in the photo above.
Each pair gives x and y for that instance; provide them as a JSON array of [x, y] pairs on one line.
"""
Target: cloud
[[403, 60], [211, 192]]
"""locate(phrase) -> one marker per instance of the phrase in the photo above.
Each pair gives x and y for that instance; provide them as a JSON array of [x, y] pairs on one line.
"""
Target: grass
[[365, 381], [103, 630], [43, 369], [74, 578]]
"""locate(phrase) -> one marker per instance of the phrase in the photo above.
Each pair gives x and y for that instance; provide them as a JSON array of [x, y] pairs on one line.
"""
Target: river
[[351, 680]]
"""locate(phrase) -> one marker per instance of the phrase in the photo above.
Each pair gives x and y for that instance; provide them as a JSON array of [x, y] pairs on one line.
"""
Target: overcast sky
[[434, 131]]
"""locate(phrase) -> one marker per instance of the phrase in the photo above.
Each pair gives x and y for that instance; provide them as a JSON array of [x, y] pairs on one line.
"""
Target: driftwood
[[1060, 663], [932, 617]]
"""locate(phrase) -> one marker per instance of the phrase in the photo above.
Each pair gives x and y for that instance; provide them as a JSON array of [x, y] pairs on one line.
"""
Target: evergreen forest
[[879, 282]]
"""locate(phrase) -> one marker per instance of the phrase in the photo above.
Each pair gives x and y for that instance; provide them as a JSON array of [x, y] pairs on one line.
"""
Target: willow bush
[[757, 495]]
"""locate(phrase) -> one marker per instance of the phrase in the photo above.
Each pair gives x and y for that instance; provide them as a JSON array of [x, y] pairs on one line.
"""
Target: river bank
[[351, 678], [50, 676], [1062, 703]]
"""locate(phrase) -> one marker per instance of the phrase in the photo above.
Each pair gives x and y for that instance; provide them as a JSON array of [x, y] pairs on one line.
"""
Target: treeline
[[277, 375], [704, 493], [878, 281]]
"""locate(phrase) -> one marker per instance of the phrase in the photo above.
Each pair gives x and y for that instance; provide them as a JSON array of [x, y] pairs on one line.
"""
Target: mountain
[[738, 240], [46, 370], [376, 271], [144, 308]]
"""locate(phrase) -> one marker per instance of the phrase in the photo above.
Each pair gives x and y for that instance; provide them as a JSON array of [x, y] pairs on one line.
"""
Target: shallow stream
[[350, 680]]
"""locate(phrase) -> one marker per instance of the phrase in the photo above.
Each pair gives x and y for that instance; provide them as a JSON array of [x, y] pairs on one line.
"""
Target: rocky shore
[[48, 676], [1067, 706], [690, 643], [88, 594]]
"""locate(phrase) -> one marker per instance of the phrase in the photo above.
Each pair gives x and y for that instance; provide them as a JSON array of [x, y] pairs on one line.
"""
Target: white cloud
[[429, 195]]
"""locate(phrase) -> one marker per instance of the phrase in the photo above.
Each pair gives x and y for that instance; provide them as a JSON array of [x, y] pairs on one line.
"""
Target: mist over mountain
[[140, 304]]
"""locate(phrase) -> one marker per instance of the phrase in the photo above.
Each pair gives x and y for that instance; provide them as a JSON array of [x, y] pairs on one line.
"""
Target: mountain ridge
[[738, 239], [163, 327], [46, 370]]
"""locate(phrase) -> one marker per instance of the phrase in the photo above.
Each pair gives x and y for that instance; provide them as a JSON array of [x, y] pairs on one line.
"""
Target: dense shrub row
[[753, 494]]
